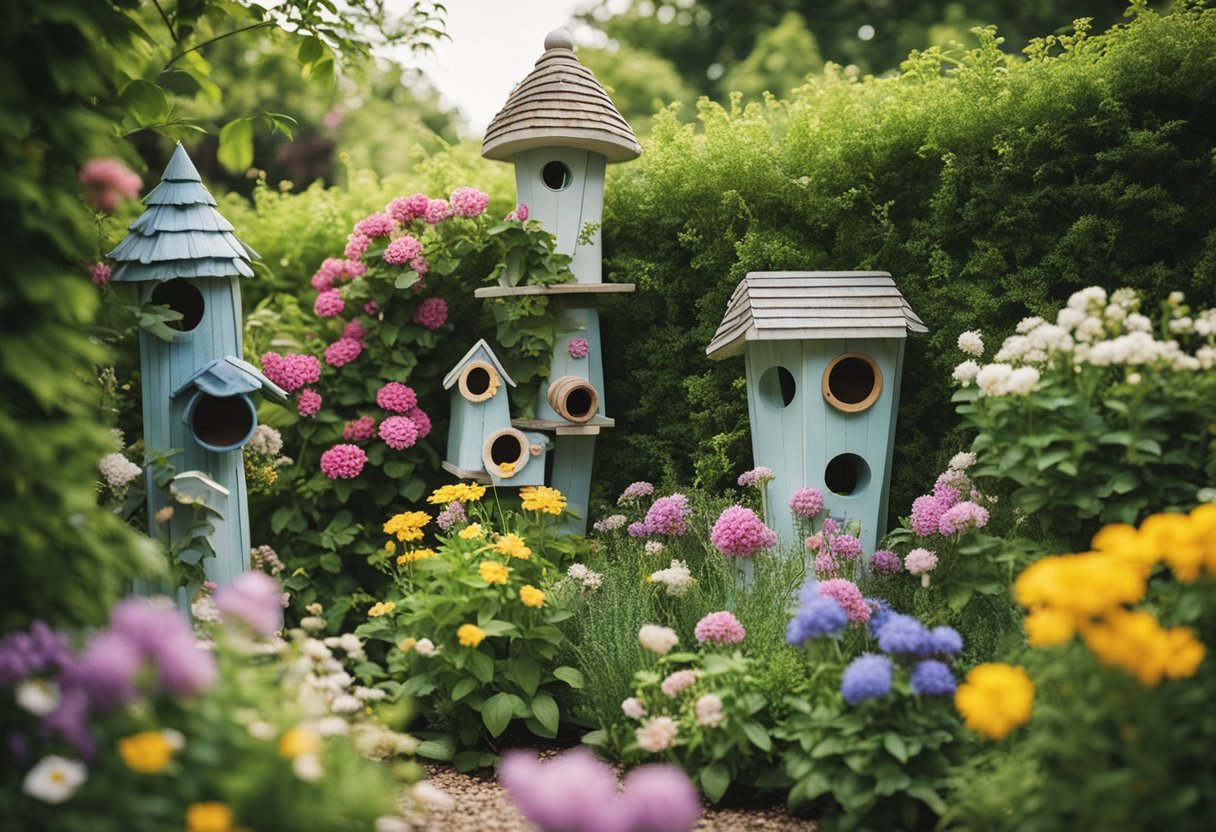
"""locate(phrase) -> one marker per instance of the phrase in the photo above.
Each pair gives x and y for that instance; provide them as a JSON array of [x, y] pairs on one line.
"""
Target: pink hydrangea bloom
[[885, 562], [845, 546], [359, 430], [308, 403], [962, 517], [437, 210], [407, 208], [109, 182], [919, 561], [355, 268], [356, 245], [330, 271], [469, 202], [719, 628], [432, 313], [420, 267], [635, 491], [100, 273], [950, 486], [398, 432], [371, 309], [396, 397], [738, 532], [355, 330], [376, 225], [926, 515], [756, 476], [668, 515], [520, 214], [402, 250], [848, 596], [421, 421], [825, 564], [806, 502], [342, 352], [677, 681], [291, 371], [343, 462], [329, 304], [578, 348]]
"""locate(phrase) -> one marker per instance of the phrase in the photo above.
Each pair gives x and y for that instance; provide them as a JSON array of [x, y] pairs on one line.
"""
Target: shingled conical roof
[[560, 104], [180, 234]]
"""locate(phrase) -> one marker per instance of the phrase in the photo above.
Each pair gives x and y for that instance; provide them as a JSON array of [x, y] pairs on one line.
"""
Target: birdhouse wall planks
[[196, 388], [823, 353]]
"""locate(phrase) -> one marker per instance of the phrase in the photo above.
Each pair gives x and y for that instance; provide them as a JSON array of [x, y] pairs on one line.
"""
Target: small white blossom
[[709, 710], [37, 696], [425, 647], [118, 471], [676, 578], [344, 703], [653, 547], [1027, 324], [54, 779], [658, 639], [1022, 381], [431, 796], [308, 767], [966, 372], [1183, 325], [962, 461], [265, 441], [1137, 323], [971, 342], [992, 379], [633, 708], [1087, 299], [657, 734]]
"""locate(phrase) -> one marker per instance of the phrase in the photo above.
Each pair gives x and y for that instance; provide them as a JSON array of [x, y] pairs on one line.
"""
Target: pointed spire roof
[[560, 104], [181, 234], [479, 352]]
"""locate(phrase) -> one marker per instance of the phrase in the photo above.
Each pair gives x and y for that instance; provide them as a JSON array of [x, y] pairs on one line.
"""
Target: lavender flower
[[635, 491], [668, 515], [885, 562], [106, 671], [880, 615], [572, 792], [932, 678], [37, 652], [903, 635], [452, 514], [867, 677], [254, 599], [660, 798]]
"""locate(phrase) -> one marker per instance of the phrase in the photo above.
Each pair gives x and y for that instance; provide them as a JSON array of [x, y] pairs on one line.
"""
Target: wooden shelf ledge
[[555, 289]]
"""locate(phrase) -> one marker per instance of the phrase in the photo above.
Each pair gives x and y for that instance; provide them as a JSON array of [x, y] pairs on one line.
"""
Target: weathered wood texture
[[472, 422]]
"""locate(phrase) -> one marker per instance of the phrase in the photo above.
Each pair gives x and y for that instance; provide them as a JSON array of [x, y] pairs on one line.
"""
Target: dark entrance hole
[[556, 176], [222, 423], [506, 448], [477, 380], [777, 387], [579, 402], [181, 296], [846, 475]]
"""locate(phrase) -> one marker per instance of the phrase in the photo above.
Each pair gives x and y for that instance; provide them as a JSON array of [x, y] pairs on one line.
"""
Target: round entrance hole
[[777, 387], [556, 176], [478, 381], [507, 447], [852, 382], [221, 423], [181, 296], [847, 475], [574, 399]]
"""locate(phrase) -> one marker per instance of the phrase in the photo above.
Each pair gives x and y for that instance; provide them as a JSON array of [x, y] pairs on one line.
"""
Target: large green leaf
[[497, 712], [715, 780], [544, 709], [235, 151]]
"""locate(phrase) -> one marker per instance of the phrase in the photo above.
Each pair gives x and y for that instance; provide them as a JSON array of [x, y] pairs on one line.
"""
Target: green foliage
[[781, 60]]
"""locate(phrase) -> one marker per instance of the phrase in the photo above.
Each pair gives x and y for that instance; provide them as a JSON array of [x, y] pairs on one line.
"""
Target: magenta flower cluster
[[291, 371], [396, 397], [806, 502], [108, 183], [756, 476], [329, 304], [255, 600], [343, 462], [406, 209], [343, 351], [402, 250], [398, 432], [739, 533], [578, 348], [308, 402], [719, 628], [519, 214], [469, 202], [846, 593], [432, 313], [359, 430], [100, 273], [945, 511], [377, 225], [668, 515], [635, 491]]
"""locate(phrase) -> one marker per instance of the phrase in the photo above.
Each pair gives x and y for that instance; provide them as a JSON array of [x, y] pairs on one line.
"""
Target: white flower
[[1137, 323], [312, 623], [369, 694], [261, 730], [204, 609], [966, 372], [920, 561], [344, 703], [1115, 313], [352, 644], [1176, 298], [307, 767], [332, 726], [610, 523], [633, 708], [176, 740], [709, 710], [588, 578], [1090, 329], [430, 796], [992, 378], [1206, 356], [265, 441], [1206, 495], [1014, 347], [1134, 379], [54, 779], [1181, 326], [1086, 299], [37, 696], [118, 471], [962, 461], [657, 734], [971, 342], [1027, 324], [1022, 381], [658, 639], [425, 647], [1051, 338], [316, 650], [676, 578], [653, 547], [391, 823], [1069, 318]]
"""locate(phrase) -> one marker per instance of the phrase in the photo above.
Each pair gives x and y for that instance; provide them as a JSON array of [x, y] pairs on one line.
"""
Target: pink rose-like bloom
[[668, 515], [396, 397], [376, 225], [356, 245], [402, 250], [343, 462], [806, 502], [420, 267], [885, 562], [255, 599], [359, 430], [437, 210], [578, 348], [709, 710], [719, 628], [825, 564], [519, 214], [926, 515], [738, 532], [329, 304], [398, 432], [845, 546], [469, 202], [815, 541], [100, 273], [920, 561], [328, 273], [756, 476], [677, 681], [848, 596], [432, 313], [407, 208], [422, 422], [109, 182], [342, 352], [962, 517], [355, 268], [308, 403], [291, 371], [355, 330]]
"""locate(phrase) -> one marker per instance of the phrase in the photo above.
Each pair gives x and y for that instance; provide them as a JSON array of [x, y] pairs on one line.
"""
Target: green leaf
[[467, 761], [597, 738], [480, 665], [715, 780], [894, 744], [497, 712], [310, 51], [236, 145], [145, 102], [442, 749], [331, 563], [526, 672], [463, 688], [545, 711], [758, 736], [928, 796], [571, 676], [405, 280], [321, 71]]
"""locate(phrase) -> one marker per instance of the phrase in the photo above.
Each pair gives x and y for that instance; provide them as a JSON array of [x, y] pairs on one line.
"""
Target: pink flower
[[398, 432], [437, 210], [343, 462], [806, 502], [950, 486], [962, 517], [926, 514], [814, 541], [719, 628], [355, 268], [756, 476], [420, 267], [885, 562], [635, 491], [668, 515], [848, 596], [825, 564], [329, 304], [355, 330], [677, 681], [254, 599], [407, 208], [432, 313], [109, 182], [402, 250], [371, 309], [342, 352], [830, 526], [100, 273], [359, 430], [376, 225], [469, 202], [520, 214], [356, 245], [738, 532], [578, 348], [919, 561], [330, 271], [845, 546], [291, 371], [308, 403], [421, 421], [396, 397]]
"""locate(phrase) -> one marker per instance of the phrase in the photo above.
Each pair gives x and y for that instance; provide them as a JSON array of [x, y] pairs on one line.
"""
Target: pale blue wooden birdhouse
[[823, 354], [196, 387], [560, 130]]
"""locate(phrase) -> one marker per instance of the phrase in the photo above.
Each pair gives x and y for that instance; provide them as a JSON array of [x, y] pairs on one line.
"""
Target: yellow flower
[[381, 608], [407, 645], [470, 635], [407, 525], [531, 596], [208, 817], [471, 532], [459, 493], [506, 469], [1046, 627], [415, 555], [390, 546], [994, 699], [493, 572], [1185, 653], [147, 752], [297, 741], [512, 545], [542, 498]]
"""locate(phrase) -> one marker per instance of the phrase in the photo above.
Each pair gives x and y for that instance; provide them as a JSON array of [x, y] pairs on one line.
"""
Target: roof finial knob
[[559, 39]]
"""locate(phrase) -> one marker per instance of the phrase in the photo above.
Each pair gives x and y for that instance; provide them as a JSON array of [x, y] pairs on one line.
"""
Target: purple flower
[[106, 671], [572, 792], [806, 502], [71, 722], [756, 476], [739, 532], [881, 614], [185, 668], [830, 526], [903, 635], [817, 617], [452, 514], [932, 678], [255, 600], [578, 348], [926, 513], [32, 653], [845, 546], [635, 491], [946, 641], [638, 529], [825, 565], [962, 517], [867, 677], [885, 562], [669, 515], [660, 798]]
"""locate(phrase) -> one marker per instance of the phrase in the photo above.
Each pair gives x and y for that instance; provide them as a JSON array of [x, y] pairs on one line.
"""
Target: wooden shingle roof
[[560, 103], [796, 306]]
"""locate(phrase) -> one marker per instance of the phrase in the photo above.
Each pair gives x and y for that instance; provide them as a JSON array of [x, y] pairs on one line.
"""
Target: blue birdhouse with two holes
[[823, 353], [197, 389]]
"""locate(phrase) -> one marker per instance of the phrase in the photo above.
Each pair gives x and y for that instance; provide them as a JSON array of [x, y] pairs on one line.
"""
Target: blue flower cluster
[[867, 677], [903, 637], [817, 616]]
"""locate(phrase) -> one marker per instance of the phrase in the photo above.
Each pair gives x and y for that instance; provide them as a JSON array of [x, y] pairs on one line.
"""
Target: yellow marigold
[[543, 498], [1185, 653], [506, 469], [390, 546], [1135, 642], [407, 525], [1086, 584], [208, 817], [407, 645], [471, 532], [470, 635], [1046, 627], [493, 572], [994, 699], [414, 555], [299, 740], [461, 492], [512, 545], [531, 596], [381, 608], [147, 752]]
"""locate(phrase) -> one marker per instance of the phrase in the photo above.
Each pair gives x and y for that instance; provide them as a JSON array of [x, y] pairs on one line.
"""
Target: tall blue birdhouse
[[823, 354], [560, 130], [197, 388]]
